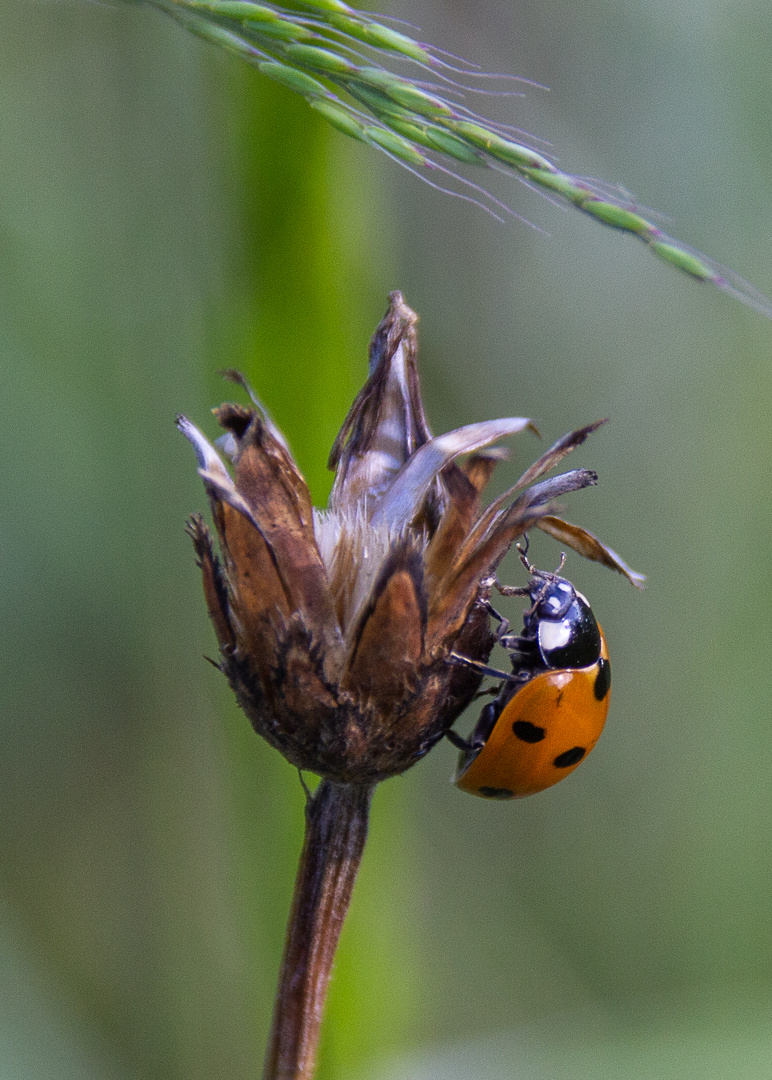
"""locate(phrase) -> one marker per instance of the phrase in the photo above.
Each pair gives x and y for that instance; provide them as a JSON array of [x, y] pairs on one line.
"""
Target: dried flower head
[[336, 627]]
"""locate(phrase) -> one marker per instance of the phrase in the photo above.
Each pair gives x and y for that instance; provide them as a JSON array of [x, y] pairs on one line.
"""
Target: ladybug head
[[551, 596]]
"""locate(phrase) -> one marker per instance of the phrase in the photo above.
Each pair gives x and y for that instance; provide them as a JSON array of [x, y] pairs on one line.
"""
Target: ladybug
[[549, 713]]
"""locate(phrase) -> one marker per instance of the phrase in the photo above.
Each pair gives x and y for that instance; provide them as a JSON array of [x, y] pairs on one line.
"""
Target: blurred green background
[[165, 213]]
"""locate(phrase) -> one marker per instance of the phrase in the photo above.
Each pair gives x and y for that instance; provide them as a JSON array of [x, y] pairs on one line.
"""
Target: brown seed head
[[335, 626]]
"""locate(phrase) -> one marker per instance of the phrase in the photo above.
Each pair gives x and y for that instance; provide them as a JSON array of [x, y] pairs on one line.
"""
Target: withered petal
[[215, 587], [491, 545], [211, 469], [386, 423], [479, 557], [258, 597], [463, 506], [298, 678], [260, 592], [403, 498], [556, 453], [388, 643], [241, 422], [582, 541], [235, 419], [240, 379], [542, 493], [478, 468], [279, 501], [547, 461], [463, 485]]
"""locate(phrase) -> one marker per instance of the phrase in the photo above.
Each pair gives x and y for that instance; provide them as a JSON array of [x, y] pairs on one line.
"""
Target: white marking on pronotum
[[554, 635]]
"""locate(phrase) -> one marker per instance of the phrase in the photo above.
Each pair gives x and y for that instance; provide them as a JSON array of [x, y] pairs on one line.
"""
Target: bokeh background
[[165, 213]]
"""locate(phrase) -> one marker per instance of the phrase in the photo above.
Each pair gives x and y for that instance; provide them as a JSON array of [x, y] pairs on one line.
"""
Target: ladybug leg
[[503, 627], [515, 643], [502, 633], [516, 590], [455, 739], [524, 590], [492, 691], [476, 665], [511, 590], [479, 736]]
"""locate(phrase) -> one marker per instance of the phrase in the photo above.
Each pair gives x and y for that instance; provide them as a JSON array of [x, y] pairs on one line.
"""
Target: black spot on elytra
[[496, 793], [528, 732], [603, 679], [569, 757]]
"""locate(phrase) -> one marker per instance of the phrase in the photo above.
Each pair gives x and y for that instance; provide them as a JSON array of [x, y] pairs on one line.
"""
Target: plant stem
[[336, 830]]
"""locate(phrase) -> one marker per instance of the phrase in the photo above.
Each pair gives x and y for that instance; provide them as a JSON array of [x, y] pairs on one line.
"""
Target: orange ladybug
[[550, 711]]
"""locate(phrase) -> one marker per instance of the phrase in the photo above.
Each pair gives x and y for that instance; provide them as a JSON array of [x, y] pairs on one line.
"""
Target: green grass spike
[[293, 79], [339, 116], [381, 37], [395, 144], [311, 56]]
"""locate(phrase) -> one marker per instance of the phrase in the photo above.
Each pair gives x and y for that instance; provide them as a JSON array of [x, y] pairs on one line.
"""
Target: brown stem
[[336, 829]]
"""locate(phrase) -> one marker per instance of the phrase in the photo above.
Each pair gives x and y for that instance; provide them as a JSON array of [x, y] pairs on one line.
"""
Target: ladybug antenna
[[545, 577], [540, 573], [522, 551]]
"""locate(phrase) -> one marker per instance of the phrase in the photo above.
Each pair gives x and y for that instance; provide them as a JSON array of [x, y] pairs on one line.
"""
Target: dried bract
[[335, 627]]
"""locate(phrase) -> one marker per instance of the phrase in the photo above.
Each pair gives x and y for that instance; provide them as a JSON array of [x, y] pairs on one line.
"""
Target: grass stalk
[[339, 60]]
